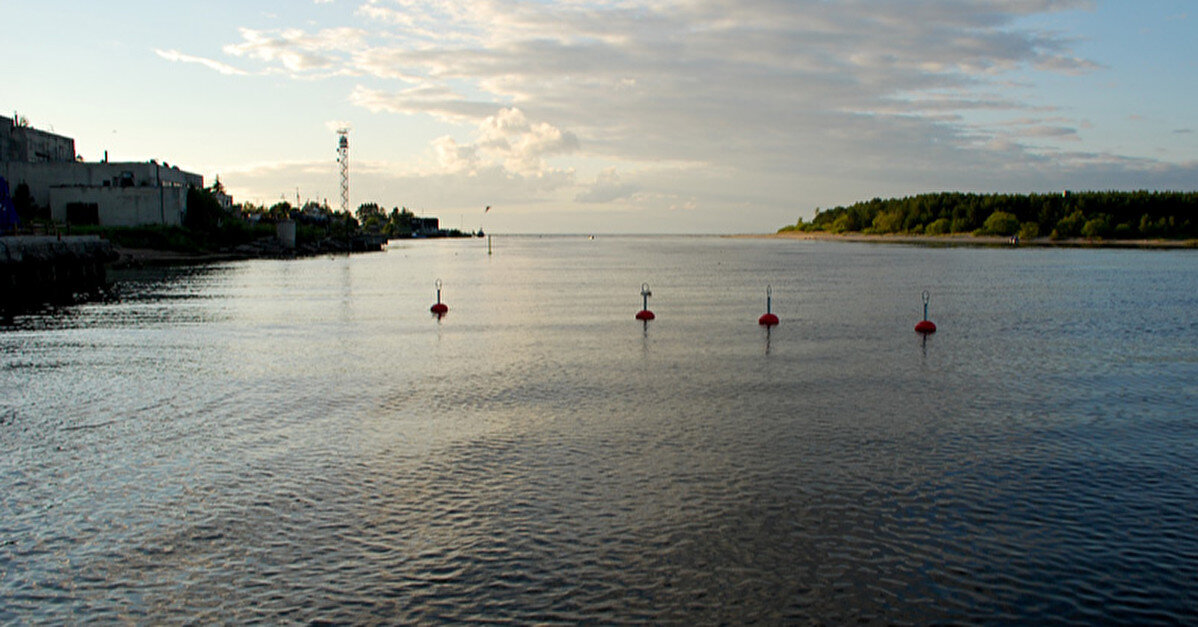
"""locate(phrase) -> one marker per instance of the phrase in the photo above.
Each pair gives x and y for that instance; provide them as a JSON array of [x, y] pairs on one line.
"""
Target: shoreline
[[979, 240]]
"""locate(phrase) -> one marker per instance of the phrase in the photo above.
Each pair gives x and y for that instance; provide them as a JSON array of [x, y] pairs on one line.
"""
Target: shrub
[[1071, 225], [1029, 230], [1095, 228], [938, 227], [842, 224], [1001, 223], [888, 222]]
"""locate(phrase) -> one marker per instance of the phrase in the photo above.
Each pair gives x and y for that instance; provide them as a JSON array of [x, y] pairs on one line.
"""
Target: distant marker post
[[768, 319], [439, 307], [925, 326], [644, 313]]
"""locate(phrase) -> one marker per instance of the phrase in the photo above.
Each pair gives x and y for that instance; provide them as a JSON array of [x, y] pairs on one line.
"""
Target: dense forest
[[1092, 215]]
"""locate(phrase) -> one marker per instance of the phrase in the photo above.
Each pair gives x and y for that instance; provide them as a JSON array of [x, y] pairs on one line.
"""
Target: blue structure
[[8, 211]]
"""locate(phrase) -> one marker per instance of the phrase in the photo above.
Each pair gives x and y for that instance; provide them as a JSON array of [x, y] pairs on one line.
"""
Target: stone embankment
[[38, 269], [42, 268], [265, 248]]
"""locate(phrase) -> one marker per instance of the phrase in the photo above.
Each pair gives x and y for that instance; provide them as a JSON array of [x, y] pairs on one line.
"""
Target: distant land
[[1132, 218]]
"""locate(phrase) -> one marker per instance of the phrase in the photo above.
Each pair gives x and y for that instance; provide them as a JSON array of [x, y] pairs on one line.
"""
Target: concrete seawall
[[36, 269]]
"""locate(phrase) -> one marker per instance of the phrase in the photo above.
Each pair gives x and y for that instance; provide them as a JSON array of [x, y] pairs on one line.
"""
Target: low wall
[[38, 269]]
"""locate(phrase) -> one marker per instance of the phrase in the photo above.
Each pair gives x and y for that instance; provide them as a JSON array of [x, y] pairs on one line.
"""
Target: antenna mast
[[343, 159]]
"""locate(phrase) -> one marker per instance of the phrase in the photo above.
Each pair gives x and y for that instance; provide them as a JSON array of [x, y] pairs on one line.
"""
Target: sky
[[619, 116]]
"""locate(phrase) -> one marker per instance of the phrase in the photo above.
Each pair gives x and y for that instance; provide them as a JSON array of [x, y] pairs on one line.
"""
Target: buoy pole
[[439, 307], [925, 326], [644, 313], [768, 319], [488, 244]]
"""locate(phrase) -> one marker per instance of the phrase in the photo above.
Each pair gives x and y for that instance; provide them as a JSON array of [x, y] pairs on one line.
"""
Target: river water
[[298, 441]]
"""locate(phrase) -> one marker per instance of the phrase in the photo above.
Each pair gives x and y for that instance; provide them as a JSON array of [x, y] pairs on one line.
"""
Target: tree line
[[1092, 215], [370, 217]]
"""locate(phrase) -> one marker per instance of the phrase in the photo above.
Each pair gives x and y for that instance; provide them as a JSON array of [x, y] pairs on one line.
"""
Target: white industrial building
[[104, 193]]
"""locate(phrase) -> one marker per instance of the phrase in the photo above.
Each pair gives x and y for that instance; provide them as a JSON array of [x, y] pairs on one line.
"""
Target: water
[[296, 441]]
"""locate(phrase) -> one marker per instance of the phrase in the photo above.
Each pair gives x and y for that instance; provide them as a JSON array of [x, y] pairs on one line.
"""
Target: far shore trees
[[1092, 215]]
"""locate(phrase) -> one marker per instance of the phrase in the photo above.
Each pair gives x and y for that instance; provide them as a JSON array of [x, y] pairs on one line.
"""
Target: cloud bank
[[722, 106]]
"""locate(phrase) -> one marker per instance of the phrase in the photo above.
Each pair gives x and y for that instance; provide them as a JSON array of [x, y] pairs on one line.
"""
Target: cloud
[[522, 145], [298, 52], [706, 103], [438, 101], [607, 187], [175, 55]]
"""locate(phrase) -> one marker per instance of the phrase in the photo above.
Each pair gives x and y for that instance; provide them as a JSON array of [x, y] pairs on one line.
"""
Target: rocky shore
[[44, 268]]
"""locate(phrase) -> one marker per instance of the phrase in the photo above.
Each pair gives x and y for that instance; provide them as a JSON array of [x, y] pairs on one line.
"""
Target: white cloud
[[175, 55], [454, 158], [608, 187], [297, 51], [775, 101], [521, 145]]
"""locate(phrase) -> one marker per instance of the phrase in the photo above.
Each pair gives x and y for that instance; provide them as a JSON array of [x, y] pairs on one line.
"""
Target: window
[[83, 213]]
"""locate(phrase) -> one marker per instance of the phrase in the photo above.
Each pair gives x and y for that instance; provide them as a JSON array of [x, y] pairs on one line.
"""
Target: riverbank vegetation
[[209, 227], [1090, 215], [401, 223]]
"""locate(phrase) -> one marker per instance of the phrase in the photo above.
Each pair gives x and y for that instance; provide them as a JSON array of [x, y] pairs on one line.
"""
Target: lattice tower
[[343, 159]]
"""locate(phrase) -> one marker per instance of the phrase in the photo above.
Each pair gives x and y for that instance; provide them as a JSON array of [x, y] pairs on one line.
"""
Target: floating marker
[[768, 319], [925, 326], [439, 308], [645, 314]]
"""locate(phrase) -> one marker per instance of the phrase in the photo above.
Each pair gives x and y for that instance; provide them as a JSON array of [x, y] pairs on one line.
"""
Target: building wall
[[426, 225], [122, 194], [30, 145], [124, 206], [40, 177], [135, 182]]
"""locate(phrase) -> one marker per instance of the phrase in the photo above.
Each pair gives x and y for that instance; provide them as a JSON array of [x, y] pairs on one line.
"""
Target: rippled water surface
[[293, 441]]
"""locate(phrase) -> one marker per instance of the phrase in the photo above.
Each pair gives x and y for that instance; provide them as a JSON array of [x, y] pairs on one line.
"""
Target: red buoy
[[768, 320], [439, 307], [644, 313]]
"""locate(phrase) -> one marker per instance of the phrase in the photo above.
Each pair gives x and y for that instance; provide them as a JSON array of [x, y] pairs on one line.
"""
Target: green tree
[[843, 223], [1071, 225], [1095, 228], [1001, 223], [888, 222], [23, 202], [367, 210], [1029, 230], [280, 211], [204, 213], [938, 227]]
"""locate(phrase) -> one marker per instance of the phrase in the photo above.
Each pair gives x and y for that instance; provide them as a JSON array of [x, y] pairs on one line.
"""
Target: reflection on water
[[300, 440]]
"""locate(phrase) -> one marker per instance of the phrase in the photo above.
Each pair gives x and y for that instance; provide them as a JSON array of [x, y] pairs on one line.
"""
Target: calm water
[[293, 441]]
